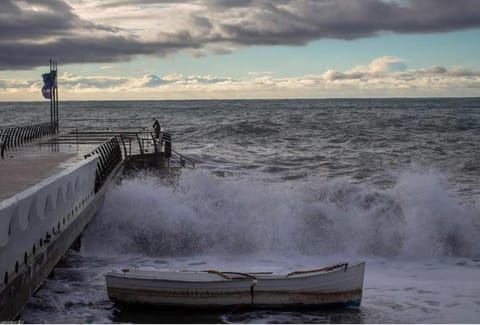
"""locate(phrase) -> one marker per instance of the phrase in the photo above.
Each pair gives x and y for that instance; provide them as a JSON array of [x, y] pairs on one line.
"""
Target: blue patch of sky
[[418, 50]]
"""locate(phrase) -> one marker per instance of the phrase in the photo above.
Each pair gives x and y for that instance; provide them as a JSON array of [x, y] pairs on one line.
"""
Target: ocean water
[[283, 185]]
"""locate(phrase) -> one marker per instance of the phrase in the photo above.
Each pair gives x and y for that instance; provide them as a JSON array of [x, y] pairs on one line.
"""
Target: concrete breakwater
[[42, 209], [46, 200], [50, 189], [38, 226]]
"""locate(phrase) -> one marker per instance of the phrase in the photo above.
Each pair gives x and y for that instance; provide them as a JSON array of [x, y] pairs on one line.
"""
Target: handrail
[[116, 129], [184, 159], [134, 145]]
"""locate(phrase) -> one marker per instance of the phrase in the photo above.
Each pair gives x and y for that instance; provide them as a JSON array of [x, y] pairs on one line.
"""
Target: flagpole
[[56, 95], [51, 101], [50, 91]]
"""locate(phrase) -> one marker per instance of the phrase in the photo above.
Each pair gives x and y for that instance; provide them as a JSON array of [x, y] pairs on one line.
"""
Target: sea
[[283, 185]]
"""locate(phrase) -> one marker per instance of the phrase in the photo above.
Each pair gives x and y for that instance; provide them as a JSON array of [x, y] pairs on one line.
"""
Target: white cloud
[[383, 77], [382, 65]]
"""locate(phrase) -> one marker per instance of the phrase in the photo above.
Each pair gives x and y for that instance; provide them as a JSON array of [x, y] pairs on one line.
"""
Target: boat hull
[[337, 287]]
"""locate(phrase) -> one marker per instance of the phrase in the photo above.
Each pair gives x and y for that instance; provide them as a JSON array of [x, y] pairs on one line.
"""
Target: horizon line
[[243, 99]]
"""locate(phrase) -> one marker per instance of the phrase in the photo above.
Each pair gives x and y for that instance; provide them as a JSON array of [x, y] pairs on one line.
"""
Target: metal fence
[[110, 155], [19, 135]]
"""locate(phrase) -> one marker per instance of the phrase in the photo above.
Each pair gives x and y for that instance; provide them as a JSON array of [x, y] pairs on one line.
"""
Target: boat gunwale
[[263, 277]]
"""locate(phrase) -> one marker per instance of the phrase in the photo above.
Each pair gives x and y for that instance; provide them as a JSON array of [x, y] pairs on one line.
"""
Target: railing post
[[124, 146], [154, 142], [23, 132], [35, 132], [9, 138], [30, 133], [168, 145], [15, 135], [117, 150], [139, 144]]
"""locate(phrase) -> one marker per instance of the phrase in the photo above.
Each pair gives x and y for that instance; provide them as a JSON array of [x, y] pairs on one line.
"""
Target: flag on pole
[[49, 82]]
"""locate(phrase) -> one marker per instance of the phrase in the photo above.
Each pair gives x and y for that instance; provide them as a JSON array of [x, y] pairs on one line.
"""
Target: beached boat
[[341, 284]]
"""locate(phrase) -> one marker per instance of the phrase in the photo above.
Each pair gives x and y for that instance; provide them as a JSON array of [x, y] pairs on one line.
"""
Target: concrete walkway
[[20, 170]]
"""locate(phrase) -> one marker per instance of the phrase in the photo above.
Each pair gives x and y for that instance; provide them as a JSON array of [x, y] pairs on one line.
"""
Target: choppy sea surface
[[281, 185]]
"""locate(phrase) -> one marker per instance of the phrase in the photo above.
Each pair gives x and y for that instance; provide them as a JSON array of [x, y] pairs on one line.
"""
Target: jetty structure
[[52, 182]]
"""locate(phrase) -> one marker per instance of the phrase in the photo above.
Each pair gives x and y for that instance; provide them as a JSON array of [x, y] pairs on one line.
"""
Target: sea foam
[[202, 213]]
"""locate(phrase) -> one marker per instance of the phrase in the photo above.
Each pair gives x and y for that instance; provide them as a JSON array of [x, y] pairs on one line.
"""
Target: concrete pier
[[48, 194], [50, 189]]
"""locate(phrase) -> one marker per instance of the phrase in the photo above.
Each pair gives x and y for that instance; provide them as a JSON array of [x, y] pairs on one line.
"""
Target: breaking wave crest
[[204, 214]]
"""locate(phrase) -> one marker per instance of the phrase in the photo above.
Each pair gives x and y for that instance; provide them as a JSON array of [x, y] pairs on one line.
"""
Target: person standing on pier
[[156, 126]]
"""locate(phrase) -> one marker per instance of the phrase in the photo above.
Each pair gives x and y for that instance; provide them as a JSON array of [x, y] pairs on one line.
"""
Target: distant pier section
[[52, 183]]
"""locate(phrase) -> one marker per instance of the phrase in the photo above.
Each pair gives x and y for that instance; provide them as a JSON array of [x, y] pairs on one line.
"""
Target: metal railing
[[136, 143], [110, 155], [183, 160], [138, 139], [19, 135]]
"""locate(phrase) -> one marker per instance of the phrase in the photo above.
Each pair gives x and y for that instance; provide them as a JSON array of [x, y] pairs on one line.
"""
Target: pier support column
[[77, 244]]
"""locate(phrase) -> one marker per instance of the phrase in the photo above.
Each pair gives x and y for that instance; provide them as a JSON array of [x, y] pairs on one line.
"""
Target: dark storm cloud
[[299, 22], [232, 3], [22, 55], [209, 3], [18, 24], [30, 37]]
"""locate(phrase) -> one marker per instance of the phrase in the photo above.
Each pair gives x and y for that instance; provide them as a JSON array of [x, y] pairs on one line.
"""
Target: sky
[[235, 49]]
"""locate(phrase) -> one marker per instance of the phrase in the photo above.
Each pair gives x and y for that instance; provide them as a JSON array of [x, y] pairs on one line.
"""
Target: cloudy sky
[[196, 49]]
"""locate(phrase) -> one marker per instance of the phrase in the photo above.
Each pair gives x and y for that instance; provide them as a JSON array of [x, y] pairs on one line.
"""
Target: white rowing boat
[[338, 284]]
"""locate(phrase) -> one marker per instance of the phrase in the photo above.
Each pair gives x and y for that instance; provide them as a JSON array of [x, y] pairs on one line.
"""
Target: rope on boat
[[248, 275], [223, 275], [323, 269]]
